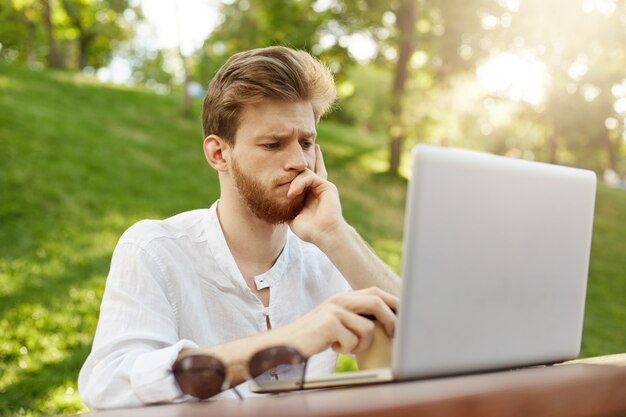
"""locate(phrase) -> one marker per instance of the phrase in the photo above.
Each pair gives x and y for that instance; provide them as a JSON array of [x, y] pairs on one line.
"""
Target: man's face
[[273, 144]]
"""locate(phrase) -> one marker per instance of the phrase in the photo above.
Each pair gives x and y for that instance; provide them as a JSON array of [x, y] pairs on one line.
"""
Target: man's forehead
[[278, 119]]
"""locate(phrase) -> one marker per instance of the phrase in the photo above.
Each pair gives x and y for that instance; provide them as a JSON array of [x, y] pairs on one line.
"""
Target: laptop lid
[[495, 263]]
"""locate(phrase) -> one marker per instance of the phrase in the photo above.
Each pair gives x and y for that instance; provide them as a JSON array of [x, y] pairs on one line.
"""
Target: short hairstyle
[[252, 76]]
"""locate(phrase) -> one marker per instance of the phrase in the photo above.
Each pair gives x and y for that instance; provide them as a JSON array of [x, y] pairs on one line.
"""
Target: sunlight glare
[[605, 7], [389, 18], [419, 59], [619, 90], [360, 46], [199, 17], [611, 123], [322, 5], [327, 40], [489, 21], [118, 71], [519, 78], [620, 106], [590, 92], [511, 5], [579, 67]]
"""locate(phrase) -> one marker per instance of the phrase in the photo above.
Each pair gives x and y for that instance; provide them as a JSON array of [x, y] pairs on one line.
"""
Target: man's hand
[[322, 210], [338, 323], [320, 222]]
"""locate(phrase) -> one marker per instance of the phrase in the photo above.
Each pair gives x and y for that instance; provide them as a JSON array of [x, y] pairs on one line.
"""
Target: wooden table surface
[[590, 387]]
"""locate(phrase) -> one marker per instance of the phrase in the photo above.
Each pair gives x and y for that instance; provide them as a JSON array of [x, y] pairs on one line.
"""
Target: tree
[[18, 31], [431, 29], [579, 45], [405, 18], [582, 47], [98, 26], [54, 57], [247, 25], [46, 30], [21, 24]]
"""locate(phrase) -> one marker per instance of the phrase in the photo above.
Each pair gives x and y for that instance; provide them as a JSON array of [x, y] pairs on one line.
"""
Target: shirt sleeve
[[136, 340]]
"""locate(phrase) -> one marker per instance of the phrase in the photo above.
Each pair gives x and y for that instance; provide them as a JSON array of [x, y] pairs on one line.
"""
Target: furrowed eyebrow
[[286, 135], [273, 135]]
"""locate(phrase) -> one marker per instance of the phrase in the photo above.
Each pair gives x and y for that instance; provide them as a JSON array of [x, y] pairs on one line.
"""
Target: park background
[[100, 127]]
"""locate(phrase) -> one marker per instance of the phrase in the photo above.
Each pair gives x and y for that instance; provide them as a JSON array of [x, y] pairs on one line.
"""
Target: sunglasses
[[203, 376]]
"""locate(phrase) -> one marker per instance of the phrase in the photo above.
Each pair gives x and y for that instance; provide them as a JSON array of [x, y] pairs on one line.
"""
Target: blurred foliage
[[83, 32], [21, 37], [558, 71], [151, 69], [536, 79], [360, 104], [97, 26], [246, 25], [582, 48]]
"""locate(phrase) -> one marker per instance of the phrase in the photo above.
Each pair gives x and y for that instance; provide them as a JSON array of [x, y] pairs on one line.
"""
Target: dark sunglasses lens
[[199, 375], [282, 363]]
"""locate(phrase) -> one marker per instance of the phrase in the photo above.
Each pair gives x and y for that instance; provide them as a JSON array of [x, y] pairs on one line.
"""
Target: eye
[[307, 144], [271, 145]]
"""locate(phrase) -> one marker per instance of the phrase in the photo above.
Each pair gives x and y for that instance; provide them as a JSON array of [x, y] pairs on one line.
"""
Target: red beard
[[260, 202]]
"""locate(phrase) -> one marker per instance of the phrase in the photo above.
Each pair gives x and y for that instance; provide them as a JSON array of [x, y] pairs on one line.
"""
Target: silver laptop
[[495, 264]]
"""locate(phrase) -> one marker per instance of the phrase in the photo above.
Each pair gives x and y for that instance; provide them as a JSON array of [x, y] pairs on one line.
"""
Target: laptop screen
[[495, 263]]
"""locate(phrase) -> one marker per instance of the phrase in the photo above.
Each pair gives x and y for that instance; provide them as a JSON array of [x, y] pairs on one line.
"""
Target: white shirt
[[174, 284]]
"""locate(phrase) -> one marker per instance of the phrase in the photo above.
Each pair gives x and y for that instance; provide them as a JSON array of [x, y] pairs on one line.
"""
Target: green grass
[[80, 162]]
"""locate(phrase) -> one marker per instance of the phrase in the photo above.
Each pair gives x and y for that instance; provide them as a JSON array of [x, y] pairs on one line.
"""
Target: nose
[[296, 159]]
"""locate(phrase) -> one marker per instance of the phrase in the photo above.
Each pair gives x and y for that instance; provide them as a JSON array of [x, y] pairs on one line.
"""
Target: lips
[[284, 182], [283, 188]]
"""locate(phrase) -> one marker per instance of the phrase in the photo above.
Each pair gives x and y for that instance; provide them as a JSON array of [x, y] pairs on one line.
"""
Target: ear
[[217, 152]]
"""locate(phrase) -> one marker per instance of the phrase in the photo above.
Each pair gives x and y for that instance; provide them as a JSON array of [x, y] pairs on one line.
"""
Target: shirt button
[[266, 311]]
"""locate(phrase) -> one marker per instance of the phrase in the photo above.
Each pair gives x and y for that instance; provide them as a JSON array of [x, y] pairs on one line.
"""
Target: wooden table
[[590, 387]]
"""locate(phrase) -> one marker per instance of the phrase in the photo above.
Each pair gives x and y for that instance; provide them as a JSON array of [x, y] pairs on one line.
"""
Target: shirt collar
[[219, 248], [276, 272], [226, 262]]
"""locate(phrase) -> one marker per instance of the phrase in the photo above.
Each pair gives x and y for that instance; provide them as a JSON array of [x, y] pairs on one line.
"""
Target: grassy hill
[[81, 161]]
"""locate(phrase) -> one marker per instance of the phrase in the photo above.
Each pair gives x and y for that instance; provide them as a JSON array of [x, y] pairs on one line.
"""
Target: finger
[[306, 179], [370, 304], [345, 341], [389, 299], [362, 328], [375, 306], [320, 167]]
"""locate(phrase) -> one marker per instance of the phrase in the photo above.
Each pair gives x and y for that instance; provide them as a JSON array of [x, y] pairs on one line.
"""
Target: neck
[[254, 243]]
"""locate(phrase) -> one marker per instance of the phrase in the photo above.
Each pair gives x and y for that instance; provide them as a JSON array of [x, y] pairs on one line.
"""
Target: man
[[272, 262]]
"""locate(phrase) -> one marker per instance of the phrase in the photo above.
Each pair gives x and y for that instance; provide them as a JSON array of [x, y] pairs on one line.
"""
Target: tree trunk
[[186, 100], [553, 147], [186, 104], [83, 49], [31, 49], [54, 57], [405, 20], [612, 150]]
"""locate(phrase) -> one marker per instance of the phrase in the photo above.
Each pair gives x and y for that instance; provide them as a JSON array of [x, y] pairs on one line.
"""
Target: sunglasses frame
[[203, 376]]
